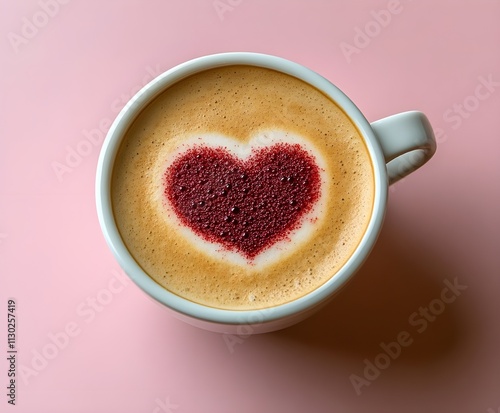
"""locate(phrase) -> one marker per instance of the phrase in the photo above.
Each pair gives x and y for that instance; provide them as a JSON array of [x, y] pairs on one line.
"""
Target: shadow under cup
[[232, 321]]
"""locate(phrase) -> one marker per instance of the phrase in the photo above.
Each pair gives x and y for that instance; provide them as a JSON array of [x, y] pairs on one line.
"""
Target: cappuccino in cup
[[242, 188]]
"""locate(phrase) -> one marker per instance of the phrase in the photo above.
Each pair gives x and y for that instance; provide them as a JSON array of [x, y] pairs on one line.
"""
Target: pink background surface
[[90, 342]]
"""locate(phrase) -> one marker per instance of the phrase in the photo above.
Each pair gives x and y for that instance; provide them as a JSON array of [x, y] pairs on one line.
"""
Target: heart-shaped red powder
[[244, 205]]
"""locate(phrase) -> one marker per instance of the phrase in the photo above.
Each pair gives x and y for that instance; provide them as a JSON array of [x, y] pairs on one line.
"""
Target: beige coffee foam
[[241, 102]]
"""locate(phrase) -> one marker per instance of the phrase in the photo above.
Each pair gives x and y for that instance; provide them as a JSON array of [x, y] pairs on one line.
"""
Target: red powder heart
[[244, 205]]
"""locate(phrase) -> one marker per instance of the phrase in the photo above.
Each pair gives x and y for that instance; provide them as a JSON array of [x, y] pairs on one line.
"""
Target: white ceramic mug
[[398, 145]]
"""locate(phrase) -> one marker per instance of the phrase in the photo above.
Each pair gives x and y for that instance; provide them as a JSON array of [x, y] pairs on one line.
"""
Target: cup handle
[[407, 142]]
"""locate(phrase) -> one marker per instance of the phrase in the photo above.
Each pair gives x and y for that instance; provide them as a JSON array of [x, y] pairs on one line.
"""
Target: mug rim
[[195, 310]]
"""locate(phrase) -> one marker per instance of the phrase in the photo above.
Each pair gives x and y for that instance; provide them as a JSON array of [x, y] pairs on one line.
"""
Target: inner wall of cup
[[191, 309]]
